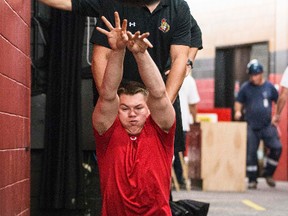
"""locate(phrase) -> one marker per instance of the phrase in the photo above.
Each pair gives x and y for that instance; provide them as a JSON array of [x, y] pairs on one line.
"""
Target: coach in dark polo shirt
[[169, 25]]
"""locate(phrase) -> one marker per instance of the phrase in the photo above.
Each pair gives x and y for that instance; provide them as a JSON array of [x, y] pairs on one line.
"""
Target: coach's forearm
[[59, 4], [175, 78]]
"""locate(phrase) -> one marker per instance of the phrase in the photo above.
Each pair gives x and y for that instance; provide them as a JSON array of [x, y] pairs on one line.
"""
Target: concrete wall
[[226, 23], [15, 107], [232, 22]]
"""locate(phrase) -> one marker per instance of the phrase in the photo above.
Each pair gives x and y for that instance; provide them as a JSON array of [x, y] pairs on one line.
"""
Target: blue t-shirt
[[257, 102]]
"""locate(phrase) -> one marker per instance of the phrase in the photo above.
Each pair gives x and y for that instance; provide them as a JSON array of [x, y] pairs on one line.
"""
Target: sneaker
[[270, 181], [252, 185]]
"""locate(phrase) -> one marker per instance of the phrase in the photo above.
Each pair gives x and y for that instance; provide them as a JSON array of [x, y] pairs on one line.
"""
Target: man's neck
[[134, 131], [153, 5]]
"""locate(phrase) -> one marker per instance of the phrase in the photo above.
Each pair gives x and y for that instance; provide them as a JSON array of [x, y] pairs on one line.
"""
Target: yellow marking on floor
[[253, 205]]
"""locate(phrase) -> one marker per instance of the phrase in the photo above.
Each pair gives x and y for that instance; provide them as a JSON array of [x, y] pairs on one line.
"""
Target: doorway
[[230, 70]]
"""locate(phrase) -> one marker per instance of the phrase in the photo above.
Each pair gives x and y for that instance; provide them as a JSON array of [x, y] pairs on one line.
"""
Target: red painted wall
[[282, 170], [15, 107], [206, 92]]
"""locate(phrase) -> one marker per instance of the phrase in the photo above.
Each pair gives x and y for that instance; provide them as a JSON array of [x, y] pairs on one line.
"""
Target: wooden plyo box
[[223, 156]]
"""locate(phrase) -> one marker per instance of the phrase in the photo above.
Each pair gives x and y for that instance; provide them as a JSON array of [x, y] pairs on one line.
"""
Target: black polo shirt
[[90, 8], [196, 34], [169, 24]]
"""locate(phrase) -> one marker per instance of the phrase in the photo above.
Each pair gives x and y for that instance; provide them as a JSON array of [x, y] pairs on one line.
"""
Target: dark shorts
[[179, 144]]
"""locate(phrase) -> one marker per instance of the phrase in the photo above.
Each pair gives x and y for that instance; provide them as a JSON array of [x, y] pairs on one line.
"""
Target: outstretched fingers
[[103, 31], [108, 24], [140, 38], [118, 36], [124, 26], [124, 30], [144, 37]]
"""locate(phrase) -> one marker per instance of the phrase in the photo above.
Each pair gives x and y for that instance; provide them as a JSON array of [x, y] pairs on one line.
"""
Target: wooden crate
[[223, 156]]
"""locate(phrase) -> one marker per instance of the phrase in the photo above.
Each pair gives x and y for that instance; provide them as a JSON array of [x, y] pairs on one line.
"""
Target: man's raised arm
[[106, 109], [59, 4], [159, 104]]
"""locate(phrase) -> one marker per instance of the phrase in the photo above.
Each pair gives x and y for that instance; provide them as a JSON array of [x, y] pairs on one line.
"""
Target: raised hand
[[138, 43], [117, 36]]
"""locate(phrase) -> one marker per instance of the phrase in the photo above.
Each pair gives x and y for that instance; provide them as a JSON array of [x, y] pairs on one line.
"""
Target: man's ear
[[148, 112]]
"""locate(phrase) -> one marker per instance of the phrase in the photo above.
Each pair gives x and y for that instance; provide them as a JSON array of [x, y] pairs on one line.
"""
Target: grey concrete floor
[[264, 201]]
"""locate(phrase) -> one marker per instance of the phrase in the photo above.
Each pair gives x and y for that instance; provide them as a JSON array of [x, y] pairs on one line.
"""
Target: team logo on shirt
[[164, 27]]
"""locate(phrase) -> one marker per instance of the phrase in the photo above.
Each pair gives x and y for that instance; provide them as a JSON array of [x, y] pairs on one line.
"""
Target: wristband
[[190, 63]]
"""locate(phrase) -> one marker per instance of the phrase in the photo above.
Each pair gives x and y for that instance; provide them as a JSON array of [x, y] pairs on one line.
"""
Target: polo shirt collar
[[162, 3], [165, 2]]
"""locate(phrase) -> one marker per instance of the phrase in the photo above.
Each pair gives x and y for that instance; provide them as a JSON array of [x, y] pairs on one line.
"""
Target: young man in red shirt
[[134, 127]]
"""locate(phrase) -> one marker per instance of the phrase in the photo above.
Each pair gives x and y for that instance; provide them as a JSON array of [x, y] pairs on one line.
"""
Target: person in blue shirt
[[255, 99]]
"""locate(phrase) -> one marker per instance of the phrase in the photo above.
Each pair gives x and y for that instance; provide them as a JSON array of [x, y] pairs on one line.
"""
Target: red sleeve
[[166, 138], [102, 141]]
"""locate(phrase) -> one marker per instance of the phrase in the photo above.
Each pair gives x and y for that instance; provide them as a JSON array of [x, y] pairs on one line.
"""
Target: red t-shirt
[[135, 172]]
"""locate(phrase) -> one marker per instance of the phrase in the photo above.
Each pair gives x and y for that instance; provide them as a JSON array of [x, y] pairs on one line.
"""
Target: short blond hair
[[132, 88]]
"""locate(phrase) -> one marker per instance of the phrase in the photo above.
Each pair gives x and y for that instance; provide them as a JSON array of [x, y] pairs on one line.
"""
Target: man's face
[[133, 111], [256, 79]]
